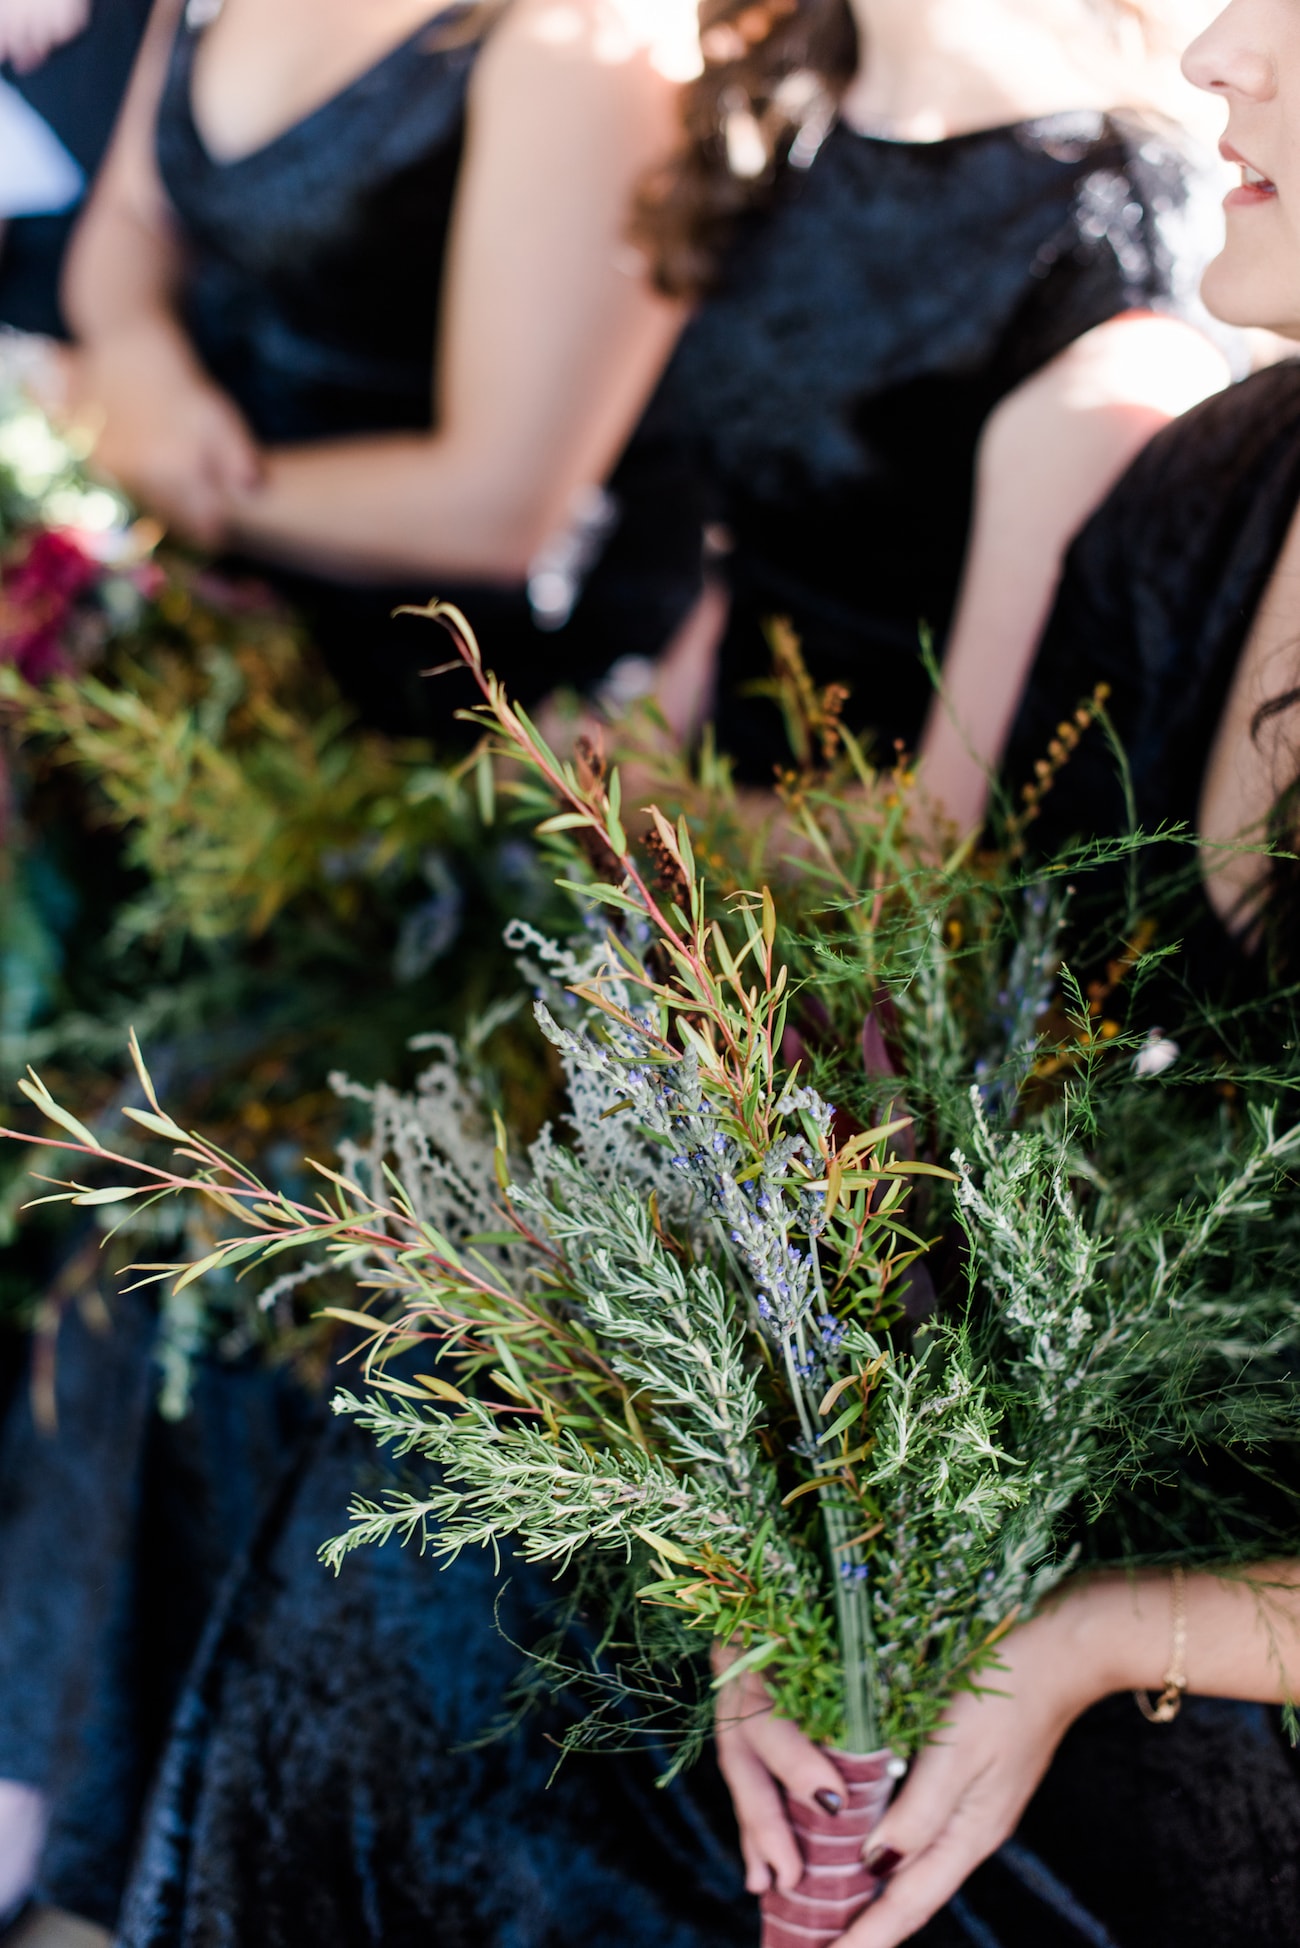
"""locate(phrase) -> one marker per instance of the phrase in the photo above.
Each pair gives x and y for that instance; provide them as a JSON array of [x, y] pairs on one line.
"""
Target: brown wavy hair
[[773, 76], [773, 70]]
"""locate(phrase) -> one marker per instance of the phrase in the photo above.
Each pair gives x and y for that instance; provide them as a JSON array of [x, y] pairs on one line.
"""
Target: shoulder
[[1161, 583], [1209, 471], [590, 83], [1202, 506], [657, 39]]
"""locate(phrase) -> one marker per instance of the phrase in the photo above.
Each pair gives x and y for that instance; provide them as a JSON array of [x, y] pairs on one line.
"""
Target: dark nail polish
[[830, 1802], [883, 1861]]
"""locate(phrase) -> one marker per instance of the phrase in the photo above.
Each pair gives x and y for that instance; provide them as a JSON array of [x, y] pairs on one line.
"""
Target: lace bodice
[[866, 328], [315, 262]]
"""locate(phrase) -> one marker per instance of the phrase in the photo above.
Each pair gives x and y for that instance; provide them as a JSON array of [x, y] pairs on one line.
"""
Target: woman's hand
[[31, 29], [964, 1796], [968, 1788], [761, 1754], [162, 429]]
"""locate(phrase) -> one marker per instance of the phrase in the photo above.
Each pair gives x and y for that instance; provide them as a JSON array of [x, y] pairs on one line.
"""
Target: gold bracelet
[[1170, 1702]]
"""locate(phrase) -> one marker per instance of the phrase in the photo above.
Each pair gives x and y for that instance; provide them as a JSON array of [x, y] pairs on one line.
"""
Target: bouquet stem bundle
[[837, 1884]]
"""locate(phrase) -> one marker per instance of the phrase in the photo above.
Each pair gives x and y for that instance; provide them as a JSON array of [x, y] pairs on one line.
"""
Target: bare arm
[[1050, 455], [163, 429], [123, 265], [551, 340]]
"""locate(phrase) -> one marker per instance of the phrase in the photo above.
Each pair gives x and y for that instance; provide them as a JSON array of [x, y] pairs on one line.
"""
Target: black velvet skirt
[[292, 1758], [117, 1531], [329, 1778]]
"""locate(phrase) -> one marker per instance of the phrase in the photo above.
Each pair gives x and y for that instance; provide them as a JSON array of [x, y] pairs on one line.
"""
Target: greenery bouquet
[[818, 1355], [201, 842]]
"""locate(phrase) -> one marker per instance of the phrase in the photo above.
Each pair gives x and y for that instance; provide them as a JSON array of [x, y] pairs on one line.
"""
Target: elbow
[[498, 558], [520, 528], [562, 533], [506, 552], [504, 529]]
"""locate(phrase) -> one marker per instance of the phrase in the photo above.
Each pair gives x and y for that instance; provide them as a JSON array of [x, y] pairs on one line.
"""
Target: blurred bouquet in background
[[74, 564], [200, 841]]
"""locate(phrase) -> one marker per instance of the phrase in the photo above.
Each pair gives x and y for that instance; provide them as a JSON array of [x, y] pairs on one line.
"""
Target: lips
[[1255, 188]]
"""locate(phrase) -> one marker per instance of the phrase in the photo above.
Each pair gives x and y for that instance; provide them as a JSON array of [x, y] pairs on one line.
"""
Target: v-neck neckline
[[307, 120]]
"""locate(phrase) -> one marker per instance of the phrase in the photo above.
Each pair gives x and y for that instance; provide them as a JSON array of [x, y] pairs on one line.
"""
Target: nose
[[1232, 58]]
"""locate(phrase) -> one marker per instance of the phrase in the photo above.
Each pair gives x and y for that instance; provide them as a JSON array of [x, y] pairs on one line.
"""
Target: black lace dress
[[866, 328], [1186, 1836], [314, 280], [328, 1777]]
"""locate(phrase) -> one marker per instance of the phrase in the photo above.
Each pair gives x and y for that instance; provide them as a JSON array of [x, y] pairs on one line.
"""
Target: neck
[[932, 68]]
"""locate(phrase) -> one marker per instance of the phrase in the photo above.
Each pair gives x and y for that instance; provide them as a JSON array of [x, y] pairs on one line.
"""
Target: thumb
[[232, 456], [241, 462], [923, 1851], [804, 1770], [923, 1808]]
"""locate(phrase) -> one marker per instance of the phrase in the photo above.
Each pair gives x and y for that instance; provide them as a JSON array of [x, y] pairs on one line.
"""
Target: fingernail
[[883, 1861], [830, 1802]]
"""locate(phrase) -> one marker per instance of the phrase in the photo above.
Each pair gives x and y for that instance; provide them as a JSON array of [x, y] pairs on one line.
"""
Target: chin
[[1252, 295]]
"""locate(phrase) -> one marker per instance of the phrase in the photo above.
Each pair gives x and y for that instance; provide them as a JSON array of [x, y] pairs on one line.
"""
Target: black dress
[[1157, 599], [866, 328], [117, 1529], [329, 1779], [1186, 1836], [313, 286]]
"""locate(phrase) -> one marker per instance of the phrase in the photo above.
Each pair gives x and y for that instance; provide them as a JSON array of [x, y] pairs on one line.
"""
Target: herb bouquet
[[688, 1350], [200, 840]]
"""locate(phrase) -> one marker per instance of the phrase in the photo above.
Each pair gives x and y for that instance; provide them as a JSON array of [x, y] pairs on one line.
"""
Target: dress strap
[[464, 13]]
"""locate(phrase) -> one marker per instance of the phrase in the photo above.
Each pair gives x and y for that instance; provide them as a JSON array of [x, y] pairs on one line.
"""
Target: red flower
[[38, 594]]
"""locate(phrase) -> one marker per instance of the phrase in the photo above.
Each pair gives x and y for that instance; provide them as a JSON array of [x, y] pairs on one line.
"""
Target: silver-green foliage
[[672, 1338]]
